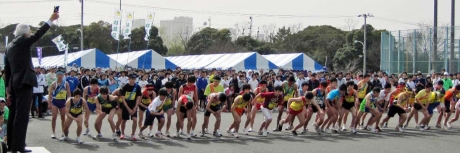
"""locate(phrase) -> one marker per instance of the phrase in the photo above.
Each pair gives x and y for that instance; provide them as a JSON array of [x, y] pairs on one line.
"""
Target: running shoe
[[265, 133], [449, 126], [64, 138], [53, 136], [122, 136], [133, 138], [79, 141], [400, 129], [304, 131], [385, 125], [86, 132], [141, 135], [260, 132], [158, 134], [236, 135], [353, 130], [114, 136], [99, 136], [167, 133], [118, 132], [280, 127], [405, 126], [294, 133], [250, 129], [150, 135], [188, 137]]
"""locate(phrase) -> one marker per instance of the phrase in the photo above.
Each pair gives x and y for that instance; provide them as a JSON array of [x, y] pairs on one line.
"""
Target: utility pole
[[250, 26], [209, 20], [257, 37], [81, 27], [452, 36], [435, 36], [365, 16]]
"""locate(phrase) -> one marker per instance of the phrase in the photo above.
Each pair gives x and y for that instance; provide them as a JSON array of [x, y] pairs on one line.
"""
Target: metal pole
[[452, 36], [430, 50], [415, 50], [435, 35], [390, 69], [81, 27], [446, 48], [364, 46], [399, 51]]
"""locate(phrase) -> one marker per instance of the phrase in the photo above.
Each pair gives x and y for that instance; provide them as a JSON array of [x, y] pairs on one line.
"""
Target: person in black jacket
[[20, 79], [84, 82]]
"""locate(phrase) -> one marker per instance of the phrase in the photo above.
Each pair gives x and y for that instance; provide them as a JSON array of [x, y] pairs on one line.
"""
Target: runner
[[118, 111], [185, 106], [319, 94], [415, 107], [272, 99], [246, 90], [131, 96], [191, 90], [350, 99], [155, 110], [214, 107], [289, 91], [437, 103], [74, 108], [400, 106], [169, 104], [58, 92], [258, 102], [213, 87], [449, 100], [240, 104], [393, 96], [331, 102], [89, 94], [106, 105], [297, 109], [368, 105], [422, 100], [362, 91], [147, 96]]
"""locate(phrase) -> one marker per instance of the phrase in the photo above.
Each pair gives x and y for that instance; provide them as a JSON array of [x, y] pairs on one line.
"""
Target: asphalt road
[[412, 140]]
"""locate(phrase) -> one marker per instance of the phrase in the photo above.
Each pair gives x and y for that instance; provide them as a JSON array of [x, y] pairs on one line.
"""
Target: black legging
[[37, 99]]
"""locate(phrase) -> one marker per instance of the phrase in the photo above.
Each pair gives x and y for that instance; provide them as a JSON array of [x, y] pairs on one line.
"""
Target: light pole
[[81, 27], [364, 54], [365, 16]]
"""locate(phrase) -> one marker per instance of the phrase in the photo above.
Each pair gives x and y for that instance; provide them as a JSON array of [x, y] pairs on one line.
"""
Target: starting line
[[38, 149]]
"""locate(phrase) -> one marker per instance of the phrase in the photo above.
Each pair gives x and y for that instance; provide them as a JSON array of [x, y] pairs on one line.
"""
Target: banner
[[128, 25], [39, 55], [148, 25], [59, 43], [116, 25]]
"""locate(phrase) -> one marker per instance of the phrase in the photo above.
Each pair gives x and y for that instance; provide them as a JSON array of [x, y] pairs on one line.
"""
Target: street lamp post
[[364, 54]]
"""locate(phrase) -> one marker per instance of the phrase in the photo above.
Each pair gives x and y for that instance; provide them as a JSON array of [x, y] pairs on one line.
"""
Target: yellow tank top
[[62, 94], [288, 92], [403, 102], [350, 98], [241, 103], [362, 91], [297, 106]]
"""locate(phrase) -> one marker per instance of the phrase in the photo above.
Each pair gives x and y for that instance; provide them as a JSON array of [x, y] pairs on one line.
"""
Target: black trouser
[[21, 98], [37, 99], [4, 148]]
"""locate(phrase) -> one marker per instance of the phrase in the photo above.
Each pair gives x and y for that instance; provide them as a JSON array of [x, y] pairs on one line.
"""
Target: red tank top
[[189, 91], [185, 99]]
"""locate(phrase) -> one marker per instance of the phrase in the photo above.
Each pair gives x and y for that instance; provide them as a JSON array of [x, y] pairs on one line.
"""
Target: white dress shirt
[[41, 80]]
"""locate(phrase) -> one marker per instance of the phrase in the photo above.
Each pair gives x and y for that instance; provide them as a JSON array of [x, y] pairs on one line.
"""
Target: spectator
[[38, 94]]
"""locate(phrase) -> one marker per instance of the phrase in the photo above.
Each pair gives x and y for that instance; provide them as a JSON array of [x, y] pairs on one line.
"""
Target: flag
[[148, 25], [59, 43], [116, 25], [39, 55], [128, 25]]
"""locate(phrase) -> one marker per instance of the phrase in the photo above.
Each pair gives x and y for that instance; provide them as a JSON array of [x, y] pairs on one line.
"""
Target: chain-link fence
[[414, 50]]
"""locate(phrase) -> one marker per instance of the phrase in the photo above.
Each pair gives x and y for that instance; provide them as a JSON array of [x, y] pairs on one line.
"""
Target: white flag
[[116, 25], [148, 25], [128, 25], [59, 43]]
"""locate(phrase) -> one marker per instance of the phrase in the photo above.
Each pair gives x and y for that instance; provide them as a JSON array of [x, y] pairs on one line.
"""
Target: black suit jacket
[[19, 70]]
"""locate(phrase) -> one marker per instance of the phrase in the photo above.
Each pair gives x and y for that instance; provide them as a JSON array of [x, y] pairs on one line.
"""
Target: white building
[[174, 29]]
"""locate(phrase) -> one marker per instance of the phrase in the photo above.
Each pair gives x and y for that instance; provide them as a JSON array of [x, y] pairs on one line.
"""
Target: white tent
[[90, 58], [194, 61], [242, 61], [295, 61], [145, 59]]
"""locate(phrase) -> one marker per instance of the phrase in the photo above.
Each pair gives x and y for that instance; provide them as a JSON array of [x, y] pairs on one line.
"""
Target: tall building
[[176, 28]]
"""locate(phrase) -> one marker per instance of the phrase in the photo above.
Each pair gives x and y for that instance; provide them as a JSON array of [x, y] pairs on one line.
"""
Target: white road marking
[[38, 149]]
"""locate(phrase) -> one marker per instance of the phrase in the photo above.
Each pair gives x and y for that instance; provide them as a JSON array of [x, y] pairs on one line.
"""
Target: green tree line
[[325, 44]]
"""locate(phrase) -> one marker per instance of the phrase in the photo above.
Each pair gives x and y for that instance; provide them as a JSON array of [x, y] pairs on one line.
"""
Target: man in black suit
[[20, 79]]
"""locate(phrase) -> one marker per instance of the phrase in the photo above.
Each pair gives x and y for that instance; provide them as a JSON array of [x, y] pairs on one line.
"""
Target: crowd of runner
[[145, 96]]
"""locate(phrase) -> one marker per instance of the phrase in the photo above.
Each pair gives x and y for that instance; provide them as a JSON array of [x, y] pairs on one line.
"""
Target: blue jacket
[[201, 83]]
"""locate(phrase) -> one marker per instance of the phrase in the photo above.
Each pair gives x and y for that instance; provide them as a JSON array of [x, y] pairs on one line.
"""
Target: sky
[[388, 14]]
